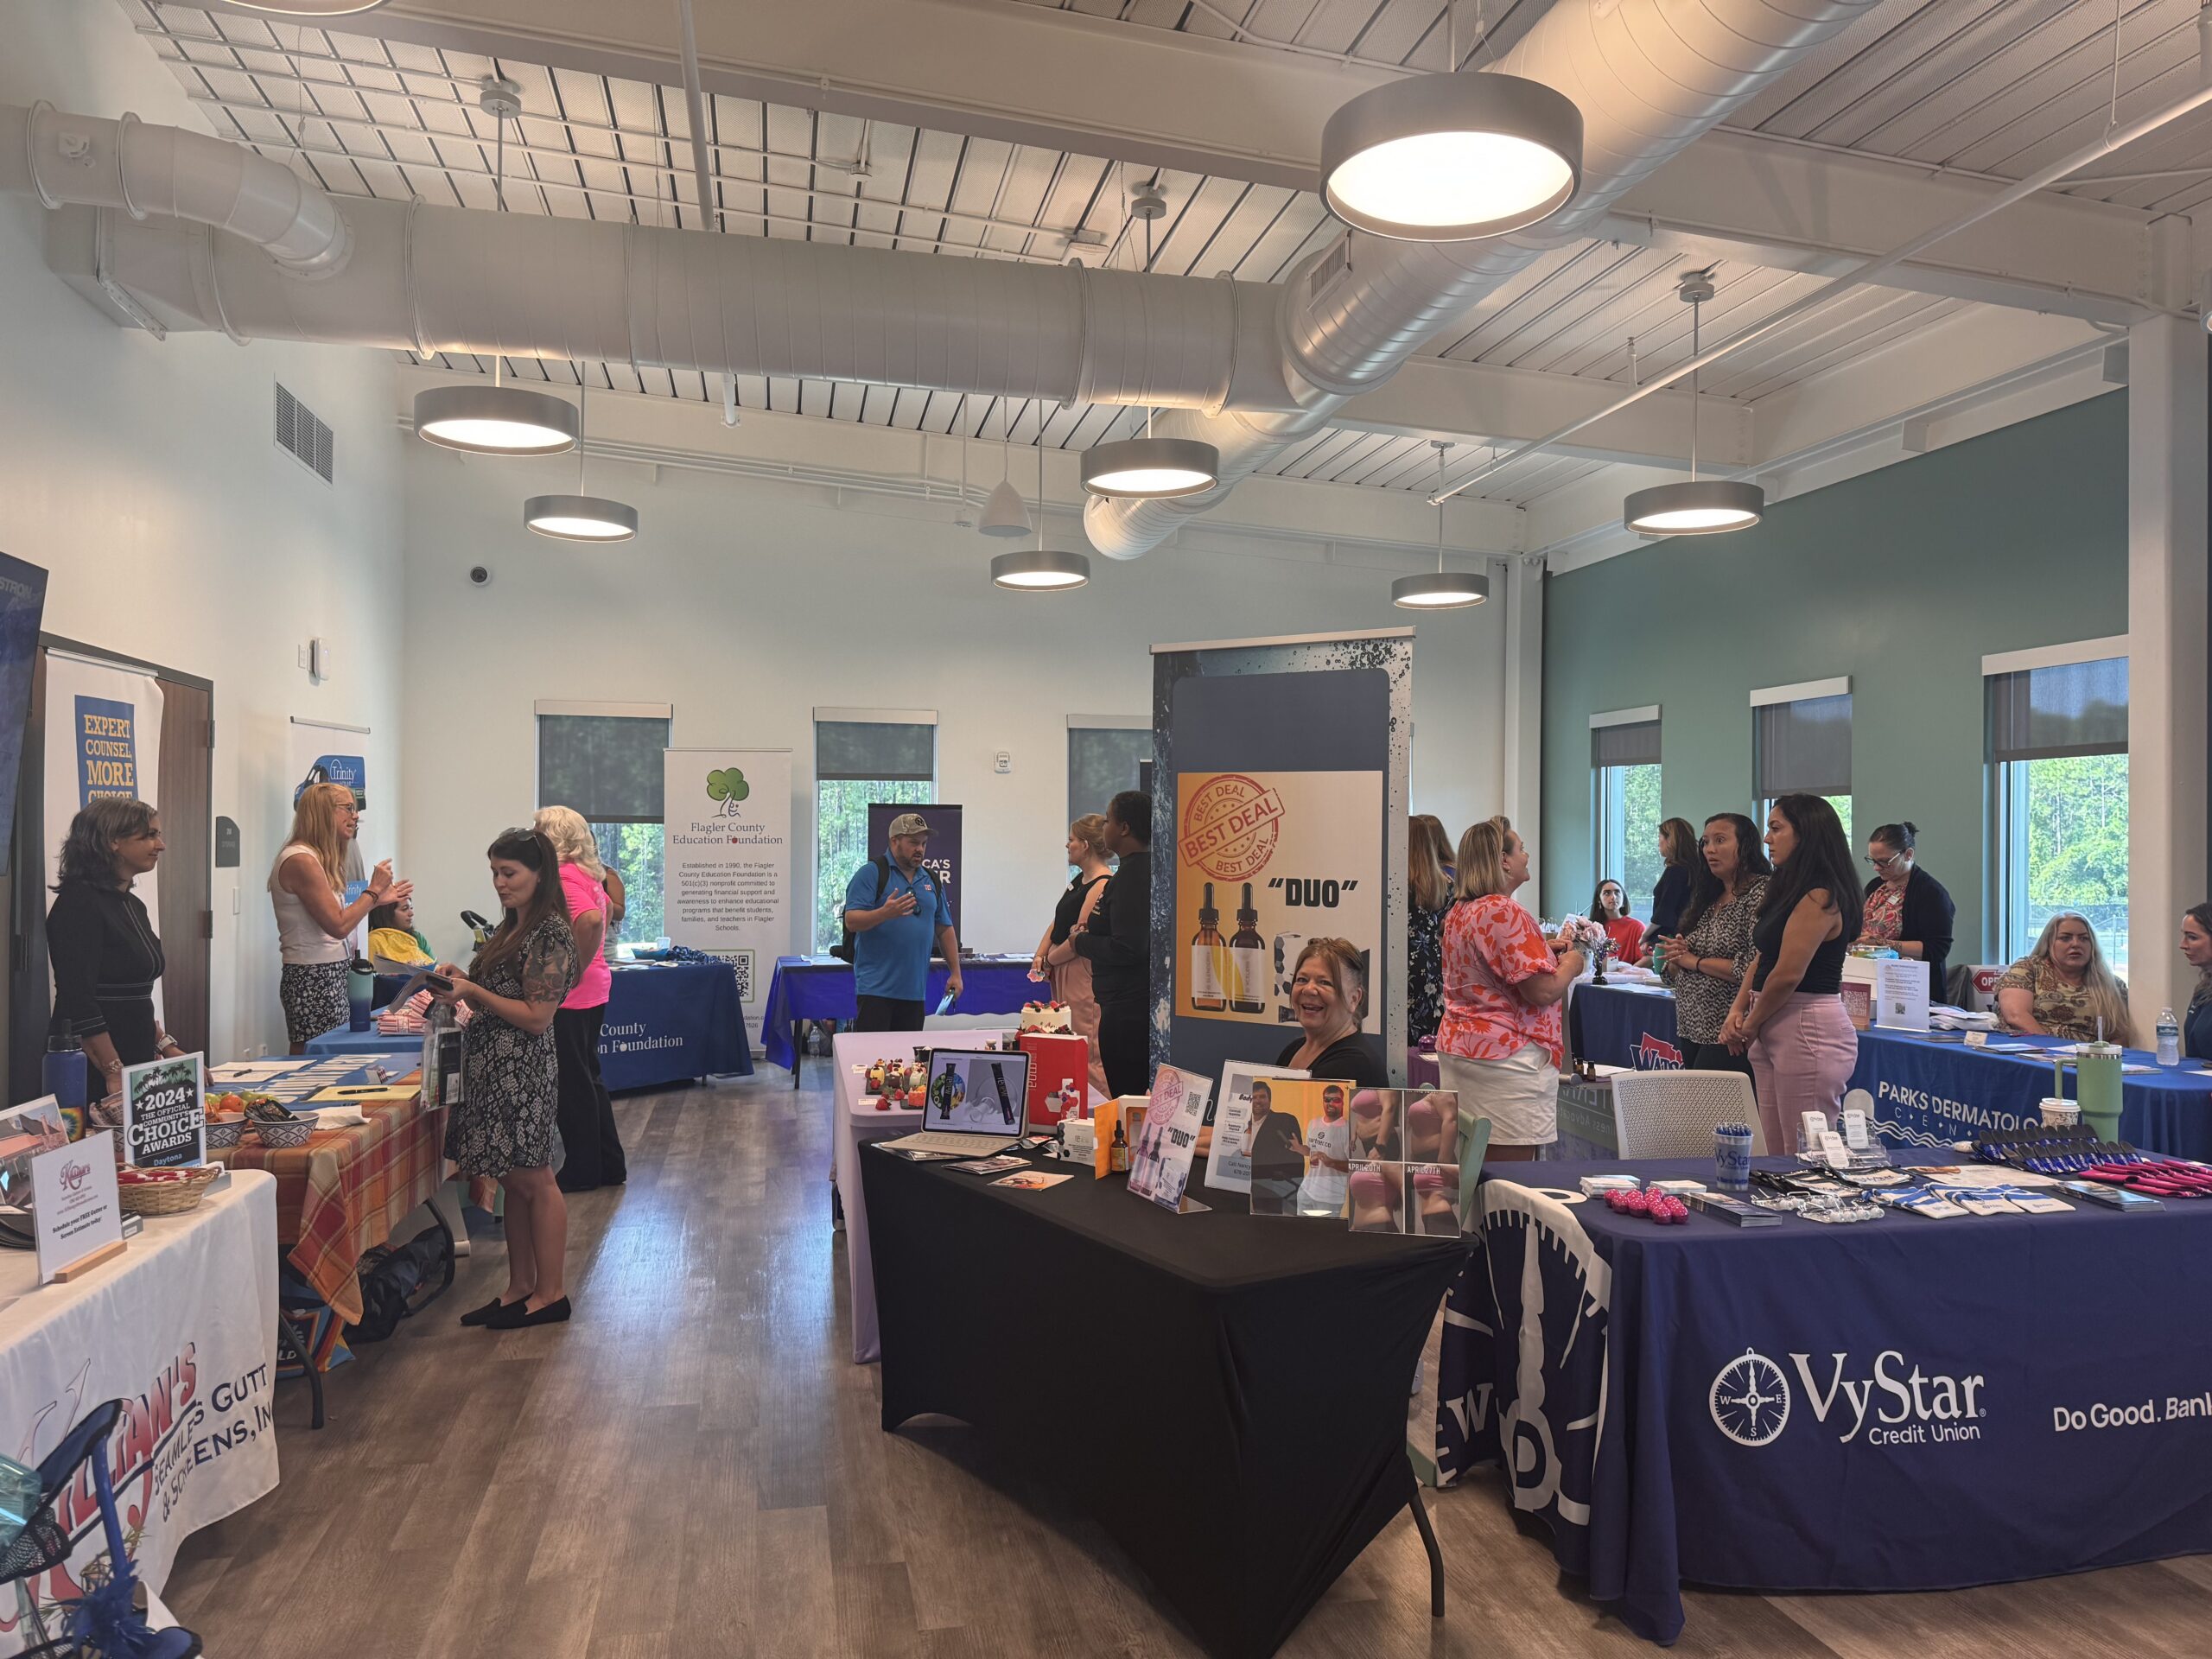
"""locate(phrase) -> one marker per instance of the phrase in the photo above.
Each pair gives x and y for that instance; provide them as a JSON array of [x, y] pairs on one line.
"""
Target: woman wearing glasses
[[1907, 909]]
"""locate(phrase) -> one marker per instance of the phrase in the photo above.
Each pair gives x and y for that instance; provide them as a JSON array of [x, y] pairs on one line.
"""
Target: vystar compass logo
[[1890, 1404]]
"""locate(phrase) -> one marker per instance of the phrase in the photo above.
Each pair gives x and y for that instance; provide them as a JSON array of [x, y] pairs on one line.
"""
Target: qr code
[[740, 964]]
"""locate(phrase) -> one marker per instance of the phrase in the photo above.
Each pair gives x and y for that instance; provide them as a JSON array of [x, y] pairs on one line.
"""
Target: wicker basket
[[167, 1198]]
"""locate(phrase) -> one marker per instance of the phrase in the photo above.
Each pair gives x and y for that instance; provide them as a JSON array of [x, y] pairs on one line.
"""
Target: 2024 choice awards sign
[[165, 1113]]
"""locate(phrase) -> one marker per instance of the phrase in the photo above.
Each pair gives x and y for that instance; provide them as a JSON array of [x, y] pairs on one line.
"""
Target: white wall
[[143, 474], [747, 604]]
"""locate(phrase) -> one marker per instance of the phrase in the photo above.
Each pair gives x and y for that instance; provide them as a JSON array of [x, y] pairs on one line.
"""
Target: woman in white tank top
[[307, 891]]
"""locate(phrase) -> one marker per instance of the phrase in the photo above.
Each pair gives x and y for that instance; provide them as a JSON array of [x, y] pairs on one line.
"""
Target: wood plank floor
[[693, 1467]]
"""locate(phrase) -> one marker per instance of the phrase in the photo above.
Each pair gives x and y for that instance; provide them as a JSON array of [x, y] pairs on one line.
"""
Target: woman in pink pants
[[1789, 1014]]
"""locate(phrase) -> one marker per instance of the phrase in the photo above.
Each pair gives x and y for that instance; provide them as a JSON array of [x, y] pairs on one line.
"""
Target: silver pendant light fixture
[[1035, 569], [1149, 468], [581, 518], [1696, 506], [498, 419], [1440, 590], [308, 7], [1451, 157]]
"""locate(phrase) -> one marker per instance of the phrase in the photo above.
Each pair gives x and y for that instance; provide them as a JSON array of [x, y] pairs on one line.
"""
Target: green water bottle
[[2097, 1070]]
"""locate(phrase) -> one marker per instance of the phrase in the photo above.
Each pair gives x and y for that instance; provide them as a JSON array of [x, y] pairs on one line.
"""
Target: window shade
[[609, 767], [1636, 744], [2039, 714], [866, 752], [1102, 764], [1802, 748]]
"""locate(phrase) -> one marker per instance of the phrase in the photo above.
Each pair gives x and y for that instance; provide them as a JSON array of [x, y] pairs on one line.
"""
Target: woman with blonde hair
[[306, 886], [1055, 959], [1428, 897], [2062, 989], [1499, 1046], [591, 1142]]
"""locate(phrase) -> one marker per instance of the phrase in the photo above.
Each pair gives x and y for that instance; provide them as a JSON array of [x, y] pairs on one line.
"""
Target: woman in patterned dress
[[1707, 960], [1499, 1046], [504, 1126], [1429, 900]]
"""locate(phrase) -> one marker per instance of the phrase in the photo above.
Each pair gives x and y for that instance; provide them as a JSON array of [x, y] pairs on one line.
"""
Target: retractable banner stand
[[1278, 815], [323, 752], [103, 737], [944, 859], [727, 857]]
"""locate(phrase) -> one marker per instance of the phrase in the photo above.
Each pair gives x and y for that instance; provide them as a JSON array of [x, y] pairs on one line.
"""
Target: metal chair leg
[[287, 1344], [1435, 1556]]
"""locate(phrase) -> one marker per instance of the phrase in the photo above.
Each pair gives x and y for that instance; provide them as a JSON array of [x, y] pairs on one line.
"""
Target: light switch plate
[[1004, 761]]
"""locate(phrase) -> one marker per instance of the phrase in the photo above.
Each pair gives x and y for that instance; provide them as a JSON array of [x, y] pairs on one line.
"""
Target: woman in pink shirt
[[1499, 1044], [588, 1134]]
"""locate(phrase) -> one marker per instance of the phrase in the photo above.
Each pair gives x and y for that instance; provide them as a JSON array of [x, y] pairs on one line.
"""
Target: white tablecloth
[[855, 1125], [182, 1328]]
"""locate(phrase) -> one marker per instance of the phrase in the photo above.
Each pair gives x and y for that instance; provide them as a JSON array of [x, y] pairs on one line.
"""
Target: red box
[[1053, 1056]]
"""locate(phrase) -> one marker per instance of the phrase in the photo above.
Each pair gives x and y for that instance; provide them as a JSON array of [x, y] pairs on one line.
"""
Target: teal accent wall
[[1902, 578]]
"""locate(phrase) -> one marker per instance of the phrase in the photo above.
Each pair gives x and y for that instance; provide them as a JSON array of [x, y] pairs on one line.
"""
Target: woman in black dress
[[504, 1126], [104, 953]]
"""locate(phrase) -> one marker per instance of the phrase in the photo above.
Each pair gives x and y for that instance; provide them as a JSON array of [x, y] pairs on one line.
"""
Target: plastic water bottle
[[2168, 1038]]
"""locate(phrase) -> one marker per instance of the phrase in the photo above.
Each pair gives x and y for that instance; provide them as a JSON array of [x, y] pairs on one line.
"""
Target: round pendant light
[[1451, 157], [308, 7], [1440, 590], [581, 518], [1703, 506], [1038, 570], [499, 420], [1150, 469], [1694, 506]]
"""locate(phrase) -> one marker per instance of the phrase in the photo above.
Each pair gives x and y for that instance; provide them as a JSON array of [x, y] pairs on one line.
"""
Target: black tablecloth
[[1225, 1393]]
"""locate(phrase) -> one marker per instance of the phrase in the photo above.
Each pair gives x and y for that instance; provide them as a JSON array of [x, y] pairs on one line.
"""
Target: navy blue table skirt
[[821, 987], [1901, 1404], [1925, 1092]]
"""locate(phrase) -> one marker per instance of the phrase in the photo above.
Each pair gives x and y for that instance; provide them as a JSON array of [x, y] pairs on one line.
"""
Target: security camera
[[479, 576]]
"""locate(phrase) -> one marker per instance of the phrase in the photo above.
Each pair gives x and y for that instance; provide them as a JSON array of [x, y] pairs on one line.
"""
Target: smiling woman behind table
[[1705, 961], [1328, 990], [504, 1125], [2062, 989], [306, 886], [1055, 958], [1500, 1044], [1788, 1013], [104, 951]]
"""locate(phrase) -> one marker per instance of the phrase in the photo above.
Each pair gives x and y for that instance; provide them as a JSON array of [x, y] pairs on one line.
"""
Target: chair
[[1673, 1114], [106, 1619]]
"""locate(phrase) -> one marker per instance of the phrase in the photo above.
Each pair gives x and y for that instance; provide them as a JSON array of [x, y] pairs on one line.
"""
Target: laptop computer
[[976, 1102]]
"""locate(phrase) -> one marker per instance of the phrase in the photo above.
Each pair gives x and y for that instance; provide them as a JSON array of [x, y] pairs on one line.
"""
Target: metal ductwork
[[1649, 78]]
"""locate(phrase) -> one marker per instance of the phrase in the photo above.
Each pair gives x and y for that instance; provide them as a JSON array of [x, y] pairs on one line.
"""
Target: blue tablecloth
[[1901, 1404], [821, 987], [667, 1024], [1926, 1092]]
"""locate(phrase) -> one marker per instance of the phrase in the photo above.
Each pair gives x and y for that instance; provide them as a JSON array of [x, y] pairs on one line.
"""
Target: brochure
[[26, 1131], [1405, 1152], [997, 1165], [1229, 1165], [1167, 1136], [1299, 1142], [1032, 1180]]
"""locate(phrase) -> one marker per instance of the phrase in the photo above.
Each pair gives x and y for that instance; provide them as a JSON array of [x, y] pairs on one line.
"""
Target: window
[[1801, 745], [861, 756], [604, 760], [1106, 755], [2057, 756], [1625, 779]]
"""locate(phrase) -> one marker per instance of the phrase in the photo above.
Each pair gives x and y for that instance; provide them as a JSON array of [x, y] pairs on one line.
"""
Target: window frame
[[1097, 723], [882, 789], [1609, 800], [568, 708]]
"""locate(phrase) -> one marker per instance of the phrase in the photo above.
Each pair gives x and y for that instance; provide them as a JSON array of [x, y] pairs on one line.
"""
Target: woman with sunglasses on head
[[1788, 1013], [1907, 909]]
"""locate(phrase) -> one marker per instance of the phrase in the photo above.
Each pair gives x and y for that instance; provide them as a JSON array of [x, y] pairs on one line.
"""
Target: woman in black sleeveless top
[[1789, 1016]]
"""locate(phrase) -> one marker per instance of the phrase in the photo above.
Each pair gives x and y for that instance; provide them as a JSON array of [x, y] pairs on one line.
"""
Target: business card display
[[80, 1220]]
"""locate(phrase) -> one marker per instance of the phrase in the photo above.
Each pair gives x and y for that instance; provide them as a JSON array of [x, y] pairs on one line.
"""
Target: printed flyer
[[1266, 861], [1299, 1141], [164, 1114], [1167, 1136], [1406, 1152], [1229, 1165]]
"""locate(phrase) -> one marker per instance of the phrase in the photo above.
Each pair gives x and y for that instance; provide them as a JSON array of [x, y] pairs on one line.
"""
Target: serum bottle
[[1209, 957], [1248, 960]]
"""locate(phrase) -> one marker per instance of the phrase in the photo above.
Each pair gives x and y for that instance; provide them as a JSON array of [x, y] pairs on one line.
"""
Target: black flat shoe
[[514, 1317], [484, 1314]]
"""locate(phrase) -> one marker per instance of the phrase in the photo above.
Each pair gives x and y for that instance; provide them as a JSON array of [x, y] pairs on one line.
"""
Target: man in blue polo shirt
[[892, 939]]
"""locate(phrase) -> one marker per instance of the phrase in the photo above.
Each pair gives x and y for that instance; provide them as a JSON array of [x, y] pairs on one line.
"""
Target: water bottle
[[2168, 1038], [68, 1076]]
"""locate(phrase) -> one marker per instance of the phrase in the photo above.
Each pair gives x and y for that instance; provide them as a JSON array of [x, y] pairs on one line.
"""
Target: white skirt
[[1520, 1096]]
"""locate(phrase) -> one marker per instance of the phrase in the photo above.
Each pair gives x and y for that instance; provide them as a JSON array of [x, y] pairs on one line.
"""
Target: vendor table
[[182, 1328], [1225, 1393], [666, 1023], [821, 987], [1929, 1090], [1900, 1404]]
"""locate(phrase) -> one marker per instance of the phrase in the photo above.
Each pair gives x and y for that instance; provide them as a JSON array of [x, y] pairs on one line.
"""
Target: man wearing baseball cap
[[896, 909]]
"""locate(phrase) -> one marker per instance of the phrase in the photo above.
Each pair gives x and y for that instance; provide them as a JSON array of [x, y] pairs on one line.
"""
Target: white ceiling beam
[[1434, 398], [1162, 97]]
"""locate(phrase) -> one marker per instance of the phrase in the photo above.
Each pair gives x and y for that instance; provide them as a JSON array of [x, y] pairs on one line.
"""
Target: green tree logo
[[727, 785]]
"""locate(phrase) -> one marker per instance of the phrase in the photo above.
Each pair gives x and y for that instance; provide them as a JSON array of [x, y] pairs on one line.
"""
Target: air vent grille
[[304, 437]]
